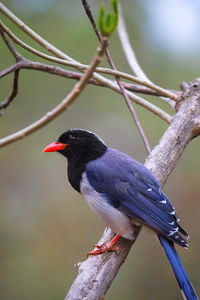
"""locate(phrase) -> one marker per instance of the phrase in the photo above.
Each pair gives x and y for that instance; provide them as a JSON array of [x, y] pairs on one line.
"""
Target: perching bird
[[122, 191]]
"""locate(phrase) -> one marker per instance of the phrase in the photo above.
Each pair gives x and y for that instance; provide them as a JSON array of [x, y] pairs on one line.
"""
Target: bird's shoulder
[[120, 167], [123, 178]]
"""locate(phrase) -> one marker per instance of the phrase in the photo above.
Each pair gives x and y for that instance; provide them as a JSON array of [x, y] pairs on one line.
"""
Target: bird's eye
[[72, 138]]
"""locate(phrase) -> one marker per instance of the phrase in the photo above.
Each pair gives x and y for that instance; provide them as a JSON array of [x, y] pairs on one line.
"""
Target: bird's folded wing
[[131, 188]]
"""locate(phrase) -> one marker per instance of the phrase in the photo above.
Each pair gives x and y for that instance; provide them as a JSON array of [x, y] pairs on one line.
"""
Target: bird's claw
[[102, 249]]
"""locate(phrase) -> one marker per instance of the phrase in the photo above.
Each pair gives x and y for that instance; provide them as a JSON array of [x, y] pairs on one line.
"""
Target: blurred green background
[[46, 227]]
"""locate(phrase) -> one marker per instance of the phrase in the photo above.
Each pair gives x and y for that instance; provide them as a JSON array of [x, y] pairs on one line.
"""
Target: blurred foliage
[[46, 227]]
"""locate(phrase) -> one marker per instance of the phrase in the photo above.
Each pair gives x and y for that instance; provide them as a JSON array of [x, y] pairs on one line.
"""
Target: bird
[[123, 193]]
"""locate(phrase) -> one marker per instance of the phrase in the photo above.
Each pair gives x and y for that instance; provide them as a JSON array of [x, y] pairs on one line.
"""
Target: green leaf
[[101, 18], [115, 6], [108, 22]]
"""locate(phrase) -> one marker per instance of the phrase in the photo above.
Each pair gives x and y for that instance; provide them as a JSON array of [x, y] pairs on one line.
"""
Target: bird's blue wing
[[131, 187]]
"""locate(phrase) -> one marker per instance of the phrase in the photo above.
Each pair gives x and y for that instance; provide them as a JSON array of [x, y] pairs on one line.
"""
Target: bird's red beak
[[54, 147]]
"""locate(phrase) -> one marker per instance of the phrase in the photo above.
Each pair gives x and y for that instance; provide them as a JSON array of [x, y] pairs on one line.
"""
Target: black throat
[[78, 160]]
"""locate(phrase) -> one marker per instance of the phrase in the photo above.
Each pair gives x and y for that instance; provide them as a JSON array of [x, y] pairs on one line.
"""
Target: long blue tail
[[179, 271]]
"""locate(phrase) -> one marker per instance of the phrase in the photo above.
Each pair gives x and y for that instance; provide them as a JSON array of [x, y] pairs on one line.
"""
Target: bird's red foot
[[109, 247], [102, 249]]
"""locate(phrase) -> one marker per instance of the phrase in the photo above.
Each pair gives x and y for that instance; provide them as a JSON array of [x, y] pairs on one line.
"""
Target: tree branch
[[82, 67], [110, 84], [48, 46], [33, 65], [128, 50], [18, 58], [131, 57], [27, 64], [97, 77], [96, 273], [13, 92], [49, 116], [118, 80], [60, 107], [13, 51]]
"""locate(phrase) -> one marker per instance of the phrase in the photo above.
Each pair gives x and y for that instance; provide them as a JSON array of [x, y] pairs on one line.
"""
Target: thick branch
[[95, 274]]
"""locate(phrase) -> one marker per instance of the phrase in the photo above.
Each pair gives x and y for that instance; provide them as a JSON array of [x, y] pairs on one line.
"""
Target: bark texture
[[96, 273]]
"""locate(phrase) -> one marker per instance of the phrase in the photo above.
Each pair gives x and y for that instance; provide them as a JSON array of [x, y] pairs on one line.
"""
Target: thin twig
[[90, 17], [117, 78], [132, 60], [33, 50], [28, 64], [141, 77], [48, 46], [128, 50], [108, 83], [32, 65], [160, 91], [13, 68], [52, 49], [63, 105], [17, 57], [154, 109], [130, 106], [135, 117], [145, 90], [13, 51], [13, 92], [79, 66]]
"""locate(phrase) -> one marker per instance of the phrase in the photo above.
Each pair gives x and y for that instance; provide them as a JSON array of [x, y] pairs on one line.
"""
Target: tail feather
[[183, 232], [179, 271]]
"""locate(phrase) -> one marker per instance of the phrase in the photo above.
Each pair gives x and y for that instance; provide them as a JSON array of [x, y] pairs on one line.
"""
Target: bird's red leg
[[106, 247]]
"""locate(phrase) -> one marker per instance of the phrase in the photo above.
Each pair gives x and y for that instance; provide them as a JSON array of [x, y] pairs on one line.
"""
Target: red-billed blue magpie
[[122, 192]]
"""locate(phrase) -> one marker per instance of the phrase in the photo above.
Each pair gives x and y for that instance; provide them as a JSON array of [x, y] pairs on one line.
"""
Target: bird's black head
[[78, 145]]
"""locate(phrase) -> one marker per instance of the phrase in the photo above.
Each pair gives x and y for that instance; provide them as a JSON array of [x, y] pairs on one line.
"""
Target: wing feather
[[132, 188]]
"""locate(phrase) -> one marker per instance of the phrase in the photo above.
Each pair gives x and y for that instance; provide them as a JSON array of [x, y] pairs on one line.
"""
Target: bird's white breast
[[111, 216]]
